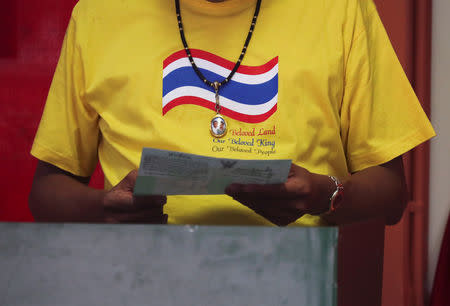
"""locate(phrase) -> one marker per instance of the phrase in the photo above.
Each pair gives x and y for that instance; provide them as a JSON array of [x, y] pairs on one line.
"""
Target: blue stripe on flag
[[239, 92]]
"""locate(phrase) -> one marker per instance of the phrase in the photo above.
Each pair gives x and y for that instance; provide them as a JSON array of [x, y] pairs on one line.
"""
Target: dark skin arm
[[375, 192], [59, 196]]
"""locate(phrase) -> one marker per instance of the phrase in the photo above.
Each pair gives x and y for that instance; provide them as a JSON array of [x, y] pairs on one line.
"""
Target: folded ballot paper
[[164, 172]]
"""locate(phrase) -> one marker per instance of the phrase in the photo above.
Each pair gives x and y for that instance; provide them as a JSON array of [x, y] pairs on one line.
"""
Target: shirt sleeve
[[381, 117], [68, 132]]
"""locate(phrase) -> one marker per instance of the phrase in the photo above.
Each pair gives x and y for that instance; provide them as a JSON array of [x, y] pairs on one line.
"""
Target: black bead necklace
[[218, 127]]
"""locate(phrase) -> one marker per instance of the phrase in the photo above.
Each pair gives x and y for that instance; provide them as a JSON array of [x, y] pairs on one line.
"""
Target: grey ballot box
[[88, 264]]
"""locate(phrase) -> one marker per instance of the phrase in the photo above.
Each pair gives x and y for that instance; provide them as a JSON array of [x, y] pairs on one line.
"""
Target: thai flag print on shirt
[[251, 96]]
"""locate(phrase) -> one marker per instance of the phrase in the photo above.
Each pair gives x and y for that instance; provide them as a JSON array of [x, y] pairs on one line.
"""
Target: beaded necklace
[[218, 126]]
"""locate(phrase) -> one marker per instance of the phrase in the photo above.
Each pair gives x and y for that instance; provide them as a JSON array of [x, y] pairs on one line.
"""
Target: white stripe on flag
[[224, 72], [227, 103]]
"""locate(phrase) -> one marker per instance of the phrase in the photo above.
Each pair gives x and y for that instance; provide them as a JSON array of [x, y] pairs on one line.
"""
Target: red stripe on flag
[[224, 111], [252, 70]]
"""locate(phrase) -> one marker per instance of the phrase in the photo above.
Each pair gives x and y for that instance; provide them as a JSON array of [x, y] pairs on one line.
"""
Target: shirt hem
[[387, 153], [57, 159]]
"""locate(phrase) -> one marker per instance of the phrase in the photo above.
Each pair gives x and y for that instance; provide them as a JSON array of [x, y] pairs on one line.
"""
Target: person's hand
[[281, 204], [120, 206]]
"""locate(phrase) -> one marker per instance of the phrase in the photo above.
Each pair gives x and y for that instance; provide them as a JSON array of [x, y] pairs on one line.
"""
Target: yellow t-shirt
[[320, 84]]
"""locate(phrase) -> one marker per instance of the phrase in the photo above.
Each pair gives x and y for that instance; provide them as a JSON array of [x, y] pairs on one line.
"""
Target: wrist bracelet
[[337, 196]]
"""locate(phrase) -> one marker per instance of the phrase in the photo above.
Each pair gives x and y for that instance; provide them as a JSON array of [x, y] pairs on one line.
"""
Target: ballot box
[[93, 264]]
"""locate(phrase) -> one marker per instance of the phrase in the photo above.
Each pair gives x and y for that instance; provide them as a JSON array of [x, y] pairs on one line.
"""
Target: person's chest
[[283, 102]]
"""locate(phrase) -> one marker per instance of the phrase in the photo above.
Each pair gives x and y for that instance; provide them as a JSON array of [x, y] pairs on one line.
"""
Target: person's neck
[[217, 7]]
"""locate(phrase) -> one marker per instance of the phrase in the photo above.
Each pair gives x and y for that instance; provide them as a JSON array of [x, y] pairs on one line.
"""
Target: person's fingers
[[278, 217], [279, 203], [288, 190], [274, 210], [144, 202], [278, 212], [298, 184], [119, 200], [126, 202], [129, 181], [257, 191]]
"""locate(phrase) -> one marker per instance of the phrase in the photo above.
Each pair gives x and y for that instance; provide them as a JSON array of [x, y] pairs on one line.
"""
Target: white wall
[[440, 146]]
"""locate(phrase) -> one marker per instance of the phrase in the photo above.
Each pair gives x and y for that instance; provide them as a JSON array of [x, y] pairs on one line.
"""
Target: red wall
[[31, 33]]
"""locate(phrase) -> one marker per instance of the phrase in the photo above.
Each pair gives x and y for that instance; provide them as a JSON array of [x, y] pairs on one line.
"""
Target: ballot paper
[[163, 172]]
